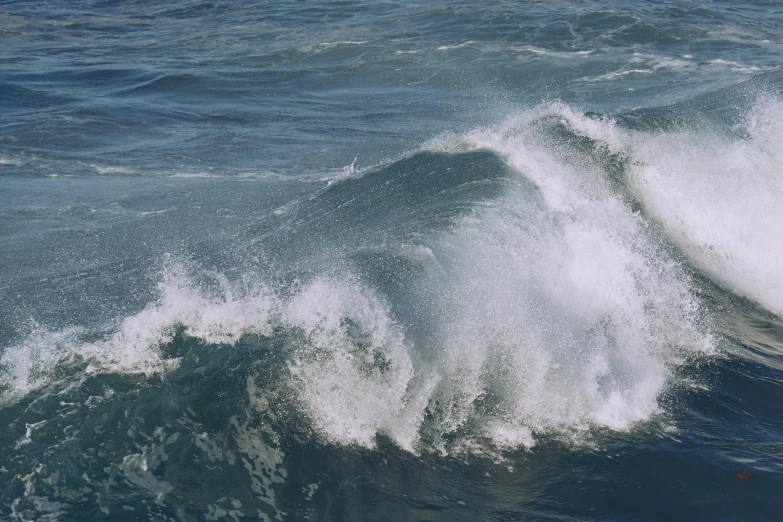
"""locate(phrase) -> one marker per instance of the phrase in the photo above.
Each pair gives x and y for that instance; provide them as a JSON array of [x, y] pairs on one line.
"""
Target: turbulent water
[[349, 260]]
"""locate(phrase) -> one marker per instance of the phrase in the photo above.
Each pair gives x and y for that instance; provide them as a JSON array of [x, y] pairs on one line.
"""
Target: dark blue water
[[391, 261]]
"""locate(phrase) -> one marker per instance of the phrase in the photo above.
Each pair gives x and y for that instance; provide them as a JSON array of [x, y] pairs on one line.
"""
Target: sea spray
[[565, 309]]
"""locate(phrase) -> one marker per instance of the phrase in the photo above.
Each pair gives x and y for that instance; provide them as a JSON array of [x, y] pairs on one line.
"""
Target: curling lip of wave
[[717, 196]]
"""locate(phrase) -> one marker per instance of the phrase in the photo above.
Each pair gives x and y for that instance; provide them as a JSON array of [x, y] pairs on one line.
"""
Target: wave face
[[391, 261]]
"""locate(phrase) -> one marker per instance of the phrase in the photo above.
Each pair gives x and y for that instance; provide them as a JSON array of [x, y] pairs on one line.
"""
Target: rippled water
[[380, 261]]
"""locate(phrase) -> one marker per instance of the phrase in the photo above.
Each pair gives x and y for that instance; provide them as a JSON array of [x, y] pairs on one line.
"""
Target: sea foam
[[717, 195], [566, 310]]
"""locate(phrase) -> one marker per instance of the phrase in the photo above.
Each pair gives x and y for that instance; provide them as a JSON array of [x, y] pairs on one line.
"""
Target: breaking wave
[[560, 301]]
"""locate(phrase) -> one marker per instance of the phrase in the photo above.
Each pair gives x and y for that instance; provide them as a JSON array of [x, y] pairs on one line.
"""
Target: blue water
[[391, 261]]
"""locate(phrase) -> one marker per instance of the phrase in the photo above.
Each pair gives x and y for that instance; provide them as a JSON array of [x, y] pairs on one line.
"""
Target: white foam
[[323, 46], [353, 388], [645, 64], [133, 346], [111, 170], [194, 175], [455, 46], [741, 37], [738, 67], [616, 74], [718, 197], [153, 212], [8, 161], [565, 312], [343, 42], [28, 365]]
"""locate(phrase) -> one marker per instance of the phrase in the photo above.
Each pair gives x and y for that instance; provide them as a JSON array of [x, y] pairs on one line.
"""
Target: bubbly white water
[[721, 201], [353, 388], [566, 311], [718, 197], [133, 346]]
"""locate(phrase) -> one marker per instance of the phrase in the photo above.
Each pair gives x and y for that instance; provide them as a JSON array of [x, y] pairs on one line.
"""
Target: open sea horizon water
[[404, 261]]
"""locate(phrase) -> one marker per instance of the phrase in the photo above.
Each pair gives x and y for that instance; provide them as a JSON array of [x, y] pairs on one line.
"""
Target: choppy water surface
[[381, 261]]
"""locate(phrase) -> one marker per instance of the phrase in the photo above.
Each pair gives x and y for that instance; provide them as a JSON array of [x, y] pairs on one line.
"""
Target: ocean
[[391, 261]]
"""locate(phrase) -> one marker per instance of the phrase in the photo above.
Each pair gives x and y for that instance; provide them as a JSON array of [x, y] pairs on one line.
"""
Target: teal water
[[385, 261]]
